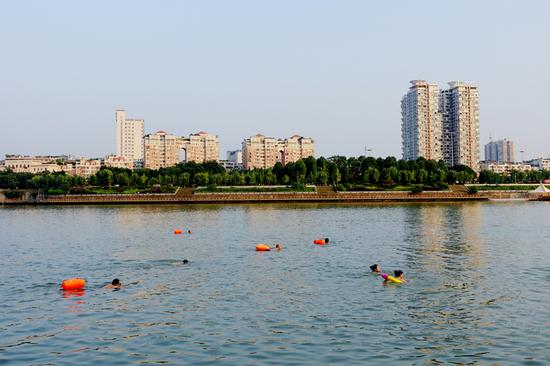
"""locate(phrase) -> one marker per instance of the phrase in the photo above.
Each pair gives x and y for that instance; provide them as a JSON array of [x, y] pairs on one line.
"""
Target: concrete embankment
[[263, 197]]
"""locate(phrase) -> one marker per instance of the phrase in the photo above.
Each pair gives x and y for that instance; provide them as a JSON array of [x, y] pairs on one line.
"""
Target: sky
[[331, 70]]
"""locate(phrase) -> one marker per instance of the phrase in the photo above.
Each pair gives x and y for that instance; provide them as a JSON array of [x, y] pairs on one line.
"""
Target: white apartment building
[[129, 137], [201, 147], [421, 122], [441, 125]]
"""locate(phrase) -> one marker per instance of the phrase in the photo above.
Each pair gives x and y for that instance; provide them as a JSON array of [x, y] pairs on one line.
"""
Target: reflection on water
[[477, 272]]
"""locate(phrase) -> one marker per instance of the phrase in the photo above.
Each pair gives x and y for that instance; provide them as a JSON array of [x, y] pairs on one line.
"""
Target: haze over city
[[333, 71]]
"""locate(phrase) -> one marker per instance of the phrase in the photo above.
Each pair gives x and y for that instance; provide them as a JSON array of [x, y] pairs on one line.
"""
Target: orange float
[[320, 241], [76, 283], [263, 248], [177, 231]]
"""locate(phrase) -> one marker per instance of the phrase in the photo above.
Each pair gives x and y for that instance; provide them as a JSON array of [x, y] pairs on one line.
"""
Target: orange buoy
[[321, 241], [177, 231], [76, 283], [263, 248]]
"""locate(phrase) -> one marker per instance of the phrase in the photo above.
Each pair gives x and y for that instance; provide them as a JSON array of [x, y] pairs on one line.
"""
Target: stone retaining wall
[[259, 197]]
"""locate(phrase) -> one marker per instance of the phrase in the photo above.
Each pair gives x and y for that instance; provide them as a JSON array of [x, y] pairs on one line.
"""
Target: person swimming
[[278, 247], [114, 284], [185, 261], [375, 268], [397, 275]]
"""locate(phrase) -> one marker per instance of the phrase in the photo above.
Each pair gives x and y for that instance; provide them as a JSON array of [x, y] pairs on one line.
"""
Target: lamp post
[[367, 150]]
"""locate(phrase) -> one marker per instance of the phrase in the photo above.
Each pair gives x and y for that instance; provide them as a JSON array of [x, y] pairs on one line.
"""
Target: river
[[477, 291]]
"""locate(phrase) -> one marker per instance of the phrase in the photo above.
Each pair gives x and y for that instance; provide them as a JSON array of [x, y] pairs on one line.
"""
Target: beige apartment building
[[129, 136], [201, 147], [421, 122], [463, 119], [161, 150], [264, 152]]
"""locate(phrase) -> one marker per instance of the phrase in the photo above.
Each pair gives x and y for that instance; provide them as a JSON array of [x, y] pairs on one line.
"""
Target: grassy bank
[[507, 188]]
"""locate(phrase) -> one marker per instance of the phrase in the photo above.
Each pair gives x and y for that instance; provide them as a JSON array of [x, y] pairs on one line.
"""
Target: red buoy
[[76, 283]]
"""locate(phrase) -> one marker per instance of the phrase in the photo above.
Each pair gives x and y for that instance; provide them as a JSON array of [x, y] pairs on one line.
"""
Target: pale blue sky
[[331, 70]]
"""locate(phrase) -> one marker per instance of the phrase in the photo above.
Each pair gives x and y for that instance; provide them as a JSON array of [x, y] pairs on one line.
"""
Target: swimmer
[[375, 268], [326, 240], [185, 261], [188, 231], [278, 247], [114, 284], [398, 275]]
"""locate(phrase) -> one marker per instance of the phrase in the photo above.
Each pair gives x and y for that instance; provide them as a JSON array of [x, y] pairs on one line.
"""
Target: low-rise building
[[230, 165], [113, 161], [87, 167], [504, 167], [235, 156], [540, 163], [33, 164]]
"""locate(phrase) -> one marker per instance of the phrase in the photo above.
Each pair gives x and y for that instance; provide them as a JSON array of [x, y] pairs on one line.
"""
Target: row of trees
[[515, 176], [339, 171]]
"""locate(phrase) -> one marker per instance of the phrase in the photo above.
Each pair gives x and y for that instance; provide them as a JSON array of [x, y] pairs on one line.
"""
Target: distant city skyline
[[328, 70]]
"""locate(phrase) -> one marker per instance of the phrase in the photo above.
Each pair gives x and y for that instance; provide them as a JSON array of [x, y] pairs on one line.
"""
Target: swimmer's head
[[375, 268], [398, 273], [115, 282], [326, 240], [278, 246], [185, 261]]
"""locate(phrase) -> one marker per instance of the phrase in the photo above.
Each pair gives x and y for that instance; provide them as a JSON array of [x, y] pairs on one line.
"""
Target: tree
[[201, 179]]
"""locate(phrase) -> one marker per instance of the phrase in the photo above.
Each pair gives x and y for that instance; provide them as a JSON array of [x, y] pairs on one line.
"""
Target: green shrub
[[472, 190], [416, 189], [12, 194], [56, 192]]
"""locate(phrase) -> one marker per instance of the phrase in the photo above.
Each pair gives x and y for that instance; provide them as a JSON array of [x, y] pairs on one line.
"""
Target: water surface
[[478, 289]]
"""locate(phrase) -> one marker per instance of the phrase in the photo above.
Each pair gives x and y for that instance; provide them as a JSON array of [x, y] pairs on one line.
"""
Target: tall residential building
[[441, 125], [129, 136], [201, 147], [264, 152], [463, 121], [421, 122], [501, 151], [161, 150]]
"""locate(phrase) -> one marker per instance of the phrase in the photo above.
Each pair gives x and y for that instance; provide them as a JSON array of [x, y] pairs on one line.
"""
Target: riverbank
[[185, 196]]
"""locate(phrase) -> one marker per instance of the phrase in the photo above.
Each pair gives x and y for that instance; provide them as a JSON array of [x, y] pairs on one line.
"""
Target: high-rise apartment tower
[[501, 151], [441, 125]]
